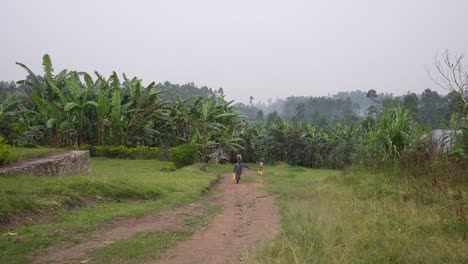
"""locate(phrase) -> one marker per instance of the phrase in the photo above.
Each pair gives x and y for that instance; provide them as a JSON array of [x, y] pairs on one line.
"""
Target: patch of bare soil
[[249, 217]]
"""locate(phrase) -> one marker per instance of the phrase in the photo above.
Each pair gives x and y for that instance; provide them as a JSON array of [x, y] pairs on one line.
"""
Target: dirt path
[[249, 216]]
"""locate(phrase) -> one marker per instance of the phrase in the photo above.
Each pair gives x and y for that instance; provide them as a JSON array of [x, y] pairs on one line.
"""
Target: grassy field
[[327, 216], [358, 217], [115, 188]]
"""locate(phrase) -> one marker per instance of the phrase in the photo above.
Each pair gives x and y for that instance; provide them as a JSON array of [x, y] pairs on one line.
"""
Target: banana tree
[[80, 102], [147, 106], [181, 121], [48, 97], [212, 117]]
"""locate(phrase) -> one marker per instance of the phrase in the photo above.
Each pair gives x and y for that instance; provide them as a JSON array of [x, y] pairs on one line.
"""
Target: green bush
[[144, 153], [29, 145], [170, 167], [99, 151], [82, 147], [122, 152], [118, 152], [184, 155], [6, 152], [165, 154]]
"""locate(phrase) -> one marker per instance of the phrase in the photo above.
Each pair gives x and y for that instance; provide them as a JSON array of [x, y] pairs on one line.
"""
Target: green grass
[[119, 188], [358, 217], [139, 248], [25, 153], [251, 178]]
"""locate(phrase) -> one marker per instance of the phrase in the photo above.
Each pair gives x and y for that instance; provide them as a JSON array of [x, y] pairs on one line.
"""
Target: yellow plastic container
[[233, 176]]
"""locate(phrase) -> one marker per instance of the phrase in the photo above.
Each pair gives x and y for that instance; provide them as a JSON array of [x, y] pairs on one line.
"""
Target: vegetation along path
[[248, 217]]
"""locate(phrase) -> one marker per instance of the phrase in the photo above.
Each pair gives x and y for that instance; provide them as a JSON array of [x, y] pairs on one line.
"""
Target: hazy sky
[[265, 48]]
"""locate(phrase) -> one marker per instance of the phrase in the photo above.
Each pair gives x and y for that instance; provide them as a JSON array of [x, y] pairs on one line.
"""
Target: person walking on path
[[238, 168]]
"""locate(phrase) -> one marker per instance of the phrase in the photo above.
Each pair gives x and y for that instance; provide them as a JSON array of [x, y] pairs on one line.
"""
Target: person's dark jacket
[[238, 168]]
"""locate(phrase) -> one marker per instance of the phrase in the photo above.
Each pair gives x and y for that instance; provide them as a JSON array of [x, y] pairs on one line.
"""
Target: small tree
[[251, 98], [452, 75], [372, 94], [411, 102]]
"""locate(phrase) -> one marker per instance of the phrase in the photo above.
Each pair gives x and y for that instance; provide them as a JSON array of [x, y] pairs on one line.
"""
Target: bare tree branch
[[451, 76]]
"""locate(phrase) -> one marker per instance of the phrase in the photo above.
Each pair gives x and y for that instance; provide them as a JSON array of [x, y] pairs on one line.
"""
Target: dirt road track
[[249, 217]]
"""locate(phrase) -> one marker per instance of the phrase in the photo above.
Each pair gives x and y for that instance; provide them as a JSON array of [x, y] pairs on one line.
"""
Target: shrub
[[144, 153], [82, 147], [164, 154], [100, 151], [388, 138], [122, 152], [184, 155], [118, 152], [6, 152], [170, 167], [29, 145], [204, 167]]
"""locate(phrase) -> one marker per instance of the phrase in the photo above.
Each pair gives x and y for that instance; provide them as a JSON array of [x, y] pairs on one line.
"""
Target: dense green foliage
[[122, 152], [71, 108], [389, 137], [170, 166], [184, 155], [173, 91], [306, 145], [6, 152]]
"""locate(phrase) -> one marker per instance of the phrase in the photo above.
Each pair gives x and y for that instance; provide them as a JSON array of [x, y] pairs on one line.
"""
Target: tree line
[[73, 108]]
